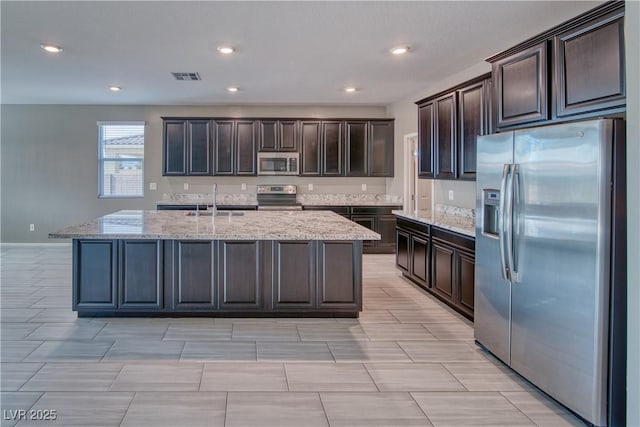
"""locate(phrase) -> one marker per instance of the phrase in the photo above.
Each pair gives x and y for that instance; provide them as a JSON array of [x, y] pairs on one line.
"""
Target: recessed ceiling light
[[115, 88], [51, 48], [350, 89], [232, 89], [399, 50], [226, 49]]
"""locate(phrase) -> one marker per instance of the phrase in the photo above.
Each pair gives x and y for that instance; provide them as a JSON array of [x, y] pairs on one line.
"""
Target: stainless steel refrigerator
[[550, 273]]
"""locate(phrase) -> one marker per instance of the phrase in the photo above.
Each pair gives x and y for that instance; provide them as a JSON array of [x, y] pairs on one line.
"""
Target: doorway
[[417, 192]]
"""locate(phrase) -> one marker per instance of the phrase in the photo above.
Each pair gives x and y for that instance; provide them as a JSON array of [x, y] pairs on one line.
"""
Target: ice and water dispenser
[[491, 208]]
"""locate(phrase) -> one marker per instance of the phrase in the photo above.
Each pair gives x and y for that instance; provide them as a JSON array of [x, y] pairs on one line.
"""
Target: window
[[121, 159]]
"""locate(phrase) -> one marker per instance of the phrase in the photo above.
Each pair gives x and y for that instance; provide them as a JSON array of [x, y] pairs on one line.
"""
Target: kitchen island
[[250, 263]]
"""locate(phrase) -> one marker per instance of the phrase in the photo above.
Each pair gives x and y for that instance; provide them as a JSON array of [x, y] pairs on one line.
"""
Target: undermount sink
[[218, 213]]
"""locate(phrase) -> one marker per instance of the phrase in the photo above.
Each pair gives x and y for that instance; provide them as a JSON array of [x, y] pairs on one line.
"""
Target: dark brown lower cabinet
[[294, 278], [228, 277], [141, 275], [239, 281], [338, 276], [368, 221], [95, 274], [440, 261], [194, 273]]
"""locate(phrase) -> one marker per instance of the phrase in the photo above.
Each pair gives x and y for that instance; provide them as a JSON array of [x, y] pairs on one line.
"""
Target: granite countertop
[[460, 220], [250, 225], [304, 199]]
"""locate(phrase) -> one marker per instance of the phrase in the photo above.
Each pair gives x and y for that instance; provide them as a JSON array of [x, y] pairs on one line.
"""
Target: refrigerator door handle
[[515, 221], [509, 223], [502, 222]]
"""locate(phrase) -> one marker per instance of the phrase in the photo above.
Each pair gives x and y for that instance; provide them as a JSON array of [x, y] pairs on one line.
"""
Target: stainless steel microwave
[[278, 163]]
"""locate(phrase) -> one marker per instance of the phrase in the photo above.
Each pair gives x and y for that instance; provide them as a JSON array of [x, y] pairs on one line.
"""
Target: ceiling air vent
[[186, 76]]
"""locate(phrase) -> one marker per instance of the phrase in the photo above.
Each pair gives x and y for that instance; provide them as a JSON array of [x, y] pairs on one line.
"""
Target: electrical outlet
[[243, 186], [153, 186], [32, 227], [450, 194], [310, 187], [364, 187], [186, 186]]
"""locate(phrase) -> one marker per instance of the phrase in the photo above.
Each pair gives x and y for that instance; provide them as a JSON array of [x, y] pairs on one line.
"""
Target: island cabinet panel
[[294, 274], [590, 69], [522, 87], [194, 275], [95, 277], [310, 131], [339, 275], [245, 147], [239, 278], [141, 275]]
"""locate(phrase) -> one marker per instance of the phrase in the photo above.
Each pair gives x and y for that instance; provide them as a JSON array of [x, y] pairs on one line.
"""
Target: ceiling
[[287, 52]]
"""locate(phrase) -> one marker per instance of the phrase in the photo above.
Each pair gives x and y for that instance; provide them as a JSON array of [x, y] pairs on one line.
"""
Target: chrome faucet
[[214, 196]]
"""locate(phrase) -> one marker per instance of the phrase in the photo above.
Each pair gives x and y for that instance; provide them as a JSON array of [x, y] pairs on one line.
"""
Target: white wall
[[405, 113], [632, 39]]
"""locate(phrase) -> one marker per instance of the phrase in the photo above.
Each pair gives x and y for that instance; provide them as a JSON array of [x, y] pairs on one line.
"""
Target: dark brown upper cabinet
[[187, 147], [332, 149], [234, 147], [369, 148], [310, 136], [590, 69], [522, 87], [425, 140], [449, 124], [445, 137], [278, 135], [573, 71], [356, 148], [380, 148], [473, 121]]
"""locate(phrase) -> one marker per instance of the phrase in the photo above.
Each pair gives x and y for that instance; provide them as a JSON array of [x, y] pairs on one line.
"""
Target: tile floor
[[407, 361]]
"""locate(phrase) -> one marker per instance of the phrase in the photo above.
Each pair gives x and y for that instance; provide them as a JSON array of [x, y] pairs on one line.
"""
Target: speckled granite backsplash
[[456, 211], [348, 199], [305, 199]]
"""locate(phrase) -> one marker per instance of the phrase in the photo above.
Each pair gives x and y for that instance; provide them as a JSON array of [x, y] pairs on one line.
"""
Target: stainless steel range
[[281, 197]]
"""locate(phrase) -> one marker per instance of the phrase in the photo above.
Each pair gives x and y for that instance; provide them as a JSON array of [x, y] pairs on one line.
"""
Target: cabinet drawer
[[412, 226]]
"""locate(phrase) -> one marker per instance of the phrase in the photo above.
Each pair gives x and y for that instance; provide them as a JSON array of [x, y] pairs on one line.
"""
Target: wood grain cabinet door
[[268, 135], [445, 136], [380, 148], [199, 147], [590, 67], [425, 140], [287, 135], [332, 149], [472, 123], [294, 274], [95, 274], [465, 274], [420, 259], [402, 249], [141, 275], [310, 136], [356, 148], [175, 148], [442, 269], [339, 275], [522, 87], [194, 275], [245, 147], [239, 281]]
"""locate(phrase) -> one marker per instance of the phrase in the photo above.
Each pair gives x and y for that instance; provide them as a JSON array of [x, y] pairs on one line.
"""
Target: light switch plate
[[243, 186], [186, 186], [310, 187], [364, 187], [450, 194], [153, 186]]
